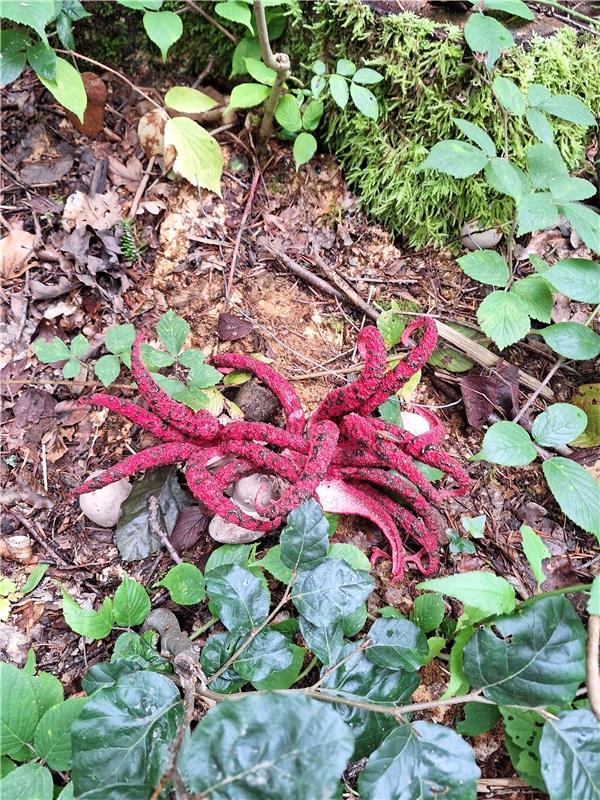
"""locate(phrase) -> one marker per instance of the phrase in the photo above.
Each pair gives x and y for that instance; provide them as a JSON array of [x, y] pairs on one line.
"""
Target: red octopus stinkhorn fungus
[[352, 462]]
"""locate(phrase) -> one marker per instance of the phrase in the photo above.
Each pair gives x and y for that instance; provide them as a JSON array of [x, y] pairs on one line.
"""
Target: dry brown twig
[[157, 529]]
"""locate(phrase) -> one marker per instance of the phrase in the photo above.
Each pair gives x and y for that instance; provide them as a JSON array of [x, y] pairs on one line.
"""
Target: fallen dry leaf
[[231, 328], [46, 170], [486, 394], [191, 524], [99, 212], [16, 250]]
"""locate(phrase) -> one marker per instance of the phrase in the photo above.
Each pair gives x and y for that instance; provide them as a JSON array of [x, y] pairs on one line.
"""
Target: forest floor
[[74, 279]]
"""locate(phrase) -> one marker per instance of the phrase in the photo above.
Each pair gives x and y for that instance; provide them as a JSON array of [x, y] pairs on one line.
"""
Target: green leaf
[[487, 35], [311, 116], [284, 678], [199, 157], [104, 674], [188, 100], [420, 760], [456, 158], [30, 781], [123, 736], [451, 360], [304, 540], [218, 649], [317, 85], [141, 5], [586, 223], [245, 48], [367, 76], [568, 108], [236, 11], [13, 45], [506, 178], [568, 188], [485, 266], [18, 709], [516, 8], [35, 15], [67, 87], [319, 67], [503, 317], [6, 766], [338, 86], [140, 650], [72, 368], [510, 97], [204, 376], [48, 691], [273, 564], [535, 552], [164, 28], [268, 652], [508, 444], [85, 621], [533, 657], [546, 166], [131, 603], [247, 95], [305, 146], [228, 554], [270, 759], [155, 359], [587, 397], [34, 578], [345, 67], [260, 72], [560, 424], [593, 604], [397, 644], [42, 60], [536, 295], [479, 718], [287, 113], [391, 324], [240, 600], [50, 352], [354, 623], [474, 526], [358, 678], [522, 732], [428, 611], [484, 591], [458, 683], [364, 100], [331, 591], [351, 554], [325, 641], [537, 93], [536, 211], [185, 583], [572, 340], [569, 750], [172, 330], [540, 126], [52, 740], [107, 369], [576, 492]]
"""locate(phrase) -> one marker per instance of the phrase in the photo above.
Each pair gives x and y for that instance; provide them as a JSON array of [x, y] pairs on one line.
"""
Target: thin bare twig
[[157, 529], [141, 188], [199, 10], [61, 382], [240, 233]]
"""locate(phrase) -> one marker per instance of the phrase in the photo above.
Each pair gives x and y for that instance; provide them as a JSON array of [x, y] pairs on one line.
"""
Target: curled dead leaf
[[93, 119], [16, 250], [151, 132], [17, 548]]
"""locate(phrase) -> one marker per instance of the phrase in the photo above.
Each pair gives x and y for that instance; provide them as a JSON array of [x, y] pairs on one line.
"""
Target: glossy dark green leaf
[[355, 622], [218, 649], [268, 652], [287, 677], [292, 747], [331, 591], [325, 641], [570, 756], [141, 649], [13, 44], [106, 674], [533, 657], [42, 60], [304, 540], [122, 739], [239, 598], [360, 679], [228, 554], [418, 761], [397, 644]]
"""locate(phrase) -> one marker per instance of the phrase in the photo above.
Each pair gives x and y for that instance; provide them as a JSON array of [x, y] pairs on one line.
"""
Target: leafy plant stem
[[280, 62], [578, 587], [592, 667], [203, 628], [510, 246], [255, 631], [114, 72]]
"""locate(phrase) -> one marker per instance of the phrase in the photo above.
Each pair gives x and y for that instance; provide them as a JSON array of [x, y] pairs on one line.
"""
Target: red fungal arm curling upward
[[134, 413]]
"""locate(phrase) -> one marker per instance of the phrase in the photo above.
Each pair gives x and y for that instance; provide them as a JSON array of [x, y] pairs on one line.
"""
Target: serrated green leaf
[[260, 72], [107, 369], [304, 539], [311, 116], [479, 718], [71, 368], [456, 158], [540, 126], [586, 223], [34, 578], [172, 330], [569, 108], [507, 178], [503, 317], [268, 652], [510, 97], [131, 603], [587, 397], [42, 60], [428, 611], [561, 423], [13, 44], [364, 100], [199, 156], [508, 444], [485, 266], [28, 782], [239, 597], [484, 591], [50, 352], [397, 644], [487, 35], [164, 28], [338, 86], [228, 554], [593, 604], [236, 11], [18, 709], [351, 554], [536, 295], [576, 492], [85, 621], [571, 340], [52, 740], [330, 591], [535, 212], [35, 15], [185, 584]]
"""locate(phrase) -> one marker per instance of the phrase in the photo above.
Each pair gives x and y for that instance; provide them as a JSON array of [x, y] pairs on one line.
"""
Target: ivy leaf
[[239, 598], [535, 552], [456, 158], [164, 28], [305, 146], [487, 35], [536, 295], [131, 604], [561, 423], [185, 584], [287, 113], [428, 611], [364, 100], [488, 593], [510, 97], [331, 591], [29, 780], [67, 87], [304, 540], [576, 492], [397, 644], [18, 709], [199, 156], [325, 641], [52, 740], [503, 317], [418, 755], [270, 756], [569, 750], [485, 266], [577, 278], [123, 736], [508, 444], [218, 649], [533, 657], [572, 340], [268, 652], [85, 621]]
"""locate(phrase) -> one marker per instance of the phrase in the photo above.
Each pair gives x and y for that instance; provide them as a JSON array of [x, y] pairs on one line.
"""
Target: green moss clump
[[428, 81]]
